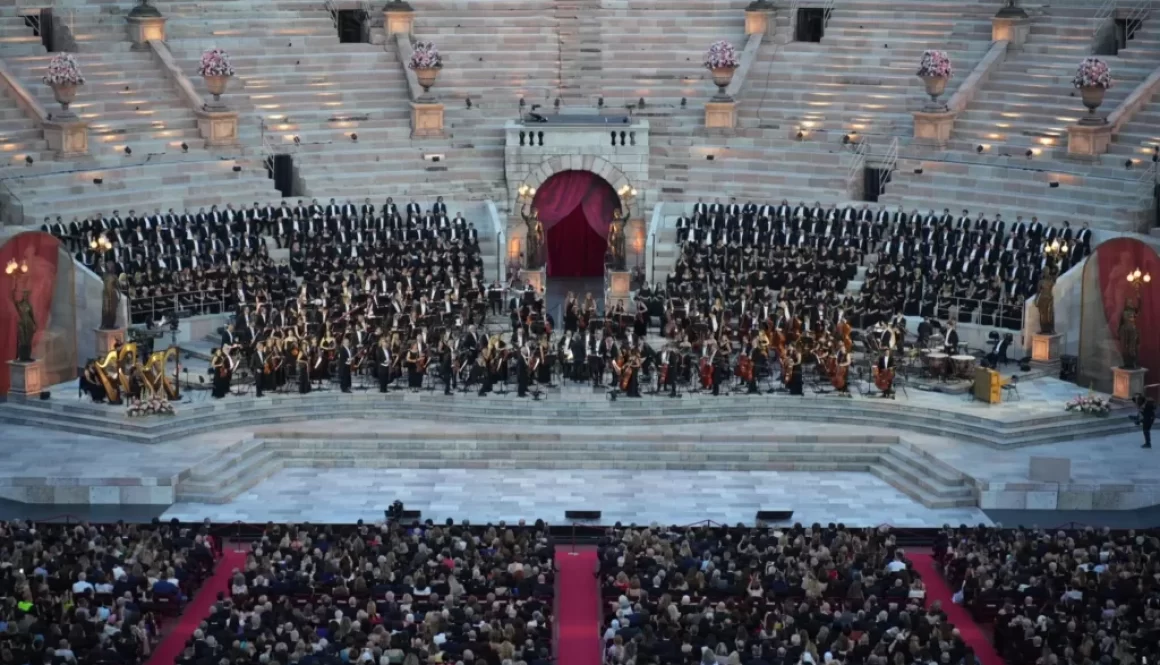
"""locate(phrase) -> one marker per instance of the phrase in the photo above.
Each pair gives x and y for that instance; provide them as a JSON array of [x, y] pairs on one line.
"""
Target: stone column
[[934, 127], [107, 340], [398, 18], [619, 285], [145, 24], [1045, 348], [426, 119], [219, 127], [1127, 383], [721, 114], [1088, 141], [68, 138], [758, 18], [27, 379]]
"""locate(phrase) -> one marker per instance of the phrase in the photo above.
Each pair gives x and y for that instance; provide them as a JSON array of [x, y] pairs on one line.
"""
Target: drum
[[936, 362], [964, 366]]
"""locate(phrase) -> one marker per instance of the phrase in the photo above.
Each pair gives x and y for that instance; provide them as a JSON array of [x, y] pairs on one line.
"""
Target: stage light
[[354, 137], [522, 102], [557, 104], [1029, 153], [237, 169], [184, 146], [28, 159], [845, 139], [640, 103], [468, 100], [297, 140], [1128, 164], [684, 102], [1054, 184], [979, 148], [801, 135], [710, 157], [918, 171], [600, 103], [98, 181], [128, 150]]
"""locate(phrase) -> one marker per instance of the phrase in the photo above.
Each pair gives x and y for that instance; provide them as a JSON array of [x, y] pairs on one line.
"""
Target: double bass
[[843, 333], [630, 364], [883, 378], [706, 370]]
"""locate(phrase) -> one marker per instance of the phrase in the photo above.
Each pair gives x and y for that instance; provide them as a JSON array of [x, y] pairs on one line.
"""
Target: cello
[[884, 378]]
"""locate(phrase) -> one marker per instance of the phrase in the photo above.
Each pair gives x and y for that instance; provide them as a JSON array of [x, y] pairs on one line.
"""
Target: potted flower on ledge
[[64, 75], [1093, 78], [721, 60], [935, 70], [216, 69], [426, 63]]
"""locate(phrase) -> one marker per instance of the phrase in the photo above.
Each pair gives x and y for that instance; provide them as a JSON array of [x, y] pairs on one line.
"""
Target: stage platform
[[926, 458]]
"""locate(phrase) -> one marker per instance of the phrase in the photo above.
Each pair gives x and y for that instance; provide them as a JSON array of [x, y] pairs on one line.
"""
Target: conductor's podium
[[988, 385]]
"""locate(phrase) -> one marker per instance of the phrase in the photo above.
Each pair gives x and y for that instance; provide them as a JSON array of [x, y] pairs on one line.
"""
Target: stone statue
[[535, 238], [1045, 303], [110, 298], [1129, 335], [25, 327], [616, 243]]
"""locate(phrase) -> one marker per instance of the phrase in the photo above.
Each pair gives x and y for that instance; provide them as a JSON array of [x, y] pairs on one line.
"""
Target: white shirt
[[81, 586]]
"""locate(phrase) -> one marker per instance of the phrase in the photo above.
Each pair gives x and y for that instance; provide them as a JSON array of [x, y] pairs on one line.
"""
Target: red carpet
[[937, 589], [197, 609], [577, 607]]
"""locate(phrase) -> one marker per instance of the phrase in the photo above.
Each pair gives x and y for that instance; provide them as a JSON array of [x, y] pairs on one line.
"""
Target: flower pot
[[426, 77], [722, 77], [216, 86], [1093, 97], [935, 86], [64, 94]]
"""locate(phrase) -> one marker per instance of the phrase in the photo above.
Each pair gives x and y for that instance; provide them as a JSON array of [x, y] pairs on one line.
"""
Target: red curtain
[[1118, 258], [38, 251], [576, 208]]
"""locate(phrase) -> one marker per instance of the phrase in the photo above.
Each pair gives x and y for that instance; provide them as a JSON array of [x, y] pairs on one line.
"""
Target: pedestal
[[68, 139], [426, 120], [721, 115], [145, 29], [107, 340], [218, 128], [1013, 30], [25, 379], [1127, 383], [1045, 348], [934, 127], [1050, 470], [619, 287], [398, 20], [533, 278], [1088, 140], [757, 22]]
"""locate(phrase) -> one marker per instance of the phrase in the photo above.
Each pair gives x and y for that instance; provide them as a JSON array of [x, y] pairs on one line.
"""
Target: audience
[[91, 594], [386, 594], [1062, 598]]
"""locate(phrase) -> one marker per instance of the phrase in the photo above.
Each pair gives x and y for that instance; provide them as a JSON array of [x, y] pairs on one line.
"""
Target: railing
[[858, 160], [793, 17], [1103, 14], [152, 306], [1146, 184], [889, 163], [1135, 17], [333, 10], [827, 10]]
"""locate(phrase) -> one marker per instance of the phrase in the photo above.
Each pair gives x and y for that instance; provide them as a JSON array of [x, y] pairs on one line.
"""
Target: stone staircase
[[581, 45], [242, 466], [861, 76], [1139, 137], [20, 137]]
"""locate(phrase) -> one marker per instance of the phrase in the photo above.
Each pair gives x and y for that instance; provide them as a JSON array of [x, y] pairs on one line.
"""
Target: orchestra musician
[[414, 368], [445, 363], [345, 363], [259, 367], [884, 374], [840, 368], [630, 379], [523, 360], [792, 371], [951, 339], [670, 365], [305, 365], [222, 367], [383, 364]]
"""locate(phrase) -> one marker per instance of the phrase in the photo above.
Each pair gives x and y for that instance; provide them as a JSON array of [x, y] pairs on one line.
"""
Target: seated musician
[[998, 352], [90, 383], [884, 374]]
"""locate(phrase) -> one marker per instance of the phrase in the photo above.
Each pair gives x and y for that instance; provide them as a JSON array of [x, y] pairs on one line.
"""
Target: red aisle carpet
[[937, 589], [197, 609], [577, 607]]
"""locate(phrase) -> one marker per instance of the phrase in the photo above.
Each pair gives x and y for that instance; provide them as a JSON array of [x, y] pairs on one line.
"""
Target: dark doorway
[[282, 171], [351, 27], [41, 24], [874, 180], [811, 24]]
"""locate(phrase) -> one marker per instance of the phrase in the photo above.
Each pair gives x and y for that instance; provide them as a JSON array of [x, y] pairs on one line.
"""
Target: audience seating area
[[1060, 596], [717, 594], [386, 594], [94, 593]]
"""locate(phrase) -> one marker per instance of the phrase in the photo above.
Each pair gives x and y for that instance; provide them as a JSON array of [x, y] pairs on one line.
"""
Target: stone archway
[[553, 165]]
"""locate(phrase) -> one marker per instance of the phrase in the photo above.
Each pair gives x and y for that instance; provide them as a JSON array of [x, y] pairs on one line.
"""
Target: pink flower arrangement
[[63, 70], [215, 62], [152, 406], [936, 64], [1093, 73], [721, 55], [1093, 404], [425, 56]]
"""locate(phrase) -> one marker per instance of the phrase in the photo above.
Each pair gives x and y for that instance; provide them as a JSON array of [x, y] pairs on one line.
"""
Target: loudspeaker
[[284, 174], [44, 394], [774, 515], [412, 514], [581, 514]]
